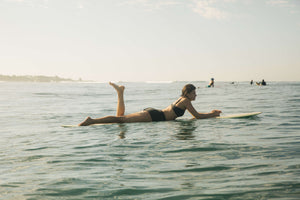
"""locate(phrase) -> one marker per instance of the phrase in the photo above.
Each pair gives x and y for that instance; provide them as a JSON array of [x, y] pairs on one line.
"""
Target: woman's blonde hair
[[187, 89]]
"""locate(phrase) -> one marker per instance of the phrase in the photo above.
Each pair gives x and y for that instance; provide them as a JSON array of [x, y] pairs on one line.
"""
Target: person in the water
[[211, 83], [171, 112], [263, 82]]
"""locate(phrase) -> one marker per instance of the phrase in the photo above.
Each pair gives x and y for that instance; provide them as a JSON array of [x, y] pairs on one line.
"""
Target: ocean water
[[250, 158]]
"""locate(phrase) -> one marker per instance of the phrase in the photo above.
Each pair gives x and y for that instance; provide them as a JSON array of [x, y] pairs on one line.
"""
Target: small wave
[[199, 149], [202, 169], [36, 149], [294, 100], [140, 191], [35, 157], [45, 94], [64, 192]]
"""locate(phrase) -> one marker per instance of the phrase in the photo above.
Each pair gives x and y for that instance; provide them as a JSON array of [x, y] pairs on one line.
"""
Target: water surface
[[252, 158]]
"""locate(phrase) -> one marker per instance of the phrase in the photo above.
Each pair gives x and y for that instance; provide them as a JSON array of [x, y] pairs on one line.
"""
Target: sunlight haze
[[151, 40]]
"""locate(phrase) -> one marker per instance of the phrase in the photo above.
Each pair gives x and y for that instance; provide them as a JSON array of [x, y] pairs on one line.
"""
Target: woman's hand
[[216, 113]]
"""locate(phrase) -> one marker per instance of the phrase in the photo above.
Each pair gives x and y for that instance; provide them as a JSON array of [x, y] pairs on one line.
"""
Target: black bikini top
[[178, 111]]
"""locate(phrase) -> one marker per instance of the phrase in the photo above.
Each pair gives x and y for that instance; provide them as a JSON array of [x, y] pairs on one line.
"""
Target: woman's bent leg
[[120, 118], [121, 105]]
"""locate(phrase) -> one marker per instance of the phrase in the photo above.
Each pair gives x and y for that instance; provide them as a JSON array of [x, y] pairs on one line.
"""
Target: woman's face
[[192, 95]]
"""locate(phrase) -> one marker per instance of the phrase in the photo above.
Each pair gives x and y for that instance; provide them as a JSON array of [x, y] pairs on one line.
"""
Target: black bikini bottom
[[156, 115]]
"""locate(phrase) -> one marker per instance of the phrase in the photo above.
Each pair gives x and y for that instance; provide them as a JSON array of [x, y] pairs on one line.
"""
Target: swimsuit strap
[[177, 101]]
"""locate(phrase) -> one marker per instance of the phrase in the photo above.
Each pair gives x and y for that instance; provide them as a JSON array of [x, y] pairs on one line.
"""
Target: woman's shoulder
[[184, 100]]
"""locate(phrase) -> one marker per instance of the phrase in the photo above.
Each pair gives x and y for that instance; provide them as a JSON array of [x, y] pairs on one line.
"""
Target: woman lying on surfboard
[[171, 112]]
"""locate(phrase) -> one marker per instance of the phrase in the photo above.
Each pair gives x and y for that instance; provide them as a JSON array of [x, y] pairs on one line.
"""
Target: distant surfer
[[261, 83], [171, 112], [212, 83], [251, 82]]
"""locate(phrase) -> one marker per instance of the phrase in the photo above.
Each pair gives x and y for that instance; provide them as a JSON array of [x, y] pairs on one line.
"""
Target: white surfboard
[[70, 126], [240, 115]]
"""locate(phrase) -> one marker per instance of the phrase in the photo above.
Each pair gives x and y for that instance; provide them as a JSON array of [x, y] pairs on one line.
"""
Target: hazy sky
[[151, 40]]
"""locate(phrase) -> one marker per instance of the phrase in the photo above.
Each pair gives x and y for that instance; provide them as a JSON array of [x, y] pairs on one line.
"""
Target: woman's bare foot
[[118, 88], [86, 122]]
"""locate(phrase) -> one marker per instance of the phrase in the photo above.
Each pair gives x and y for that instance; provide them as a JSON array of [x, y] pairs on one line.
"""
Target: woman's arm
[[197, 115], [213, 113]]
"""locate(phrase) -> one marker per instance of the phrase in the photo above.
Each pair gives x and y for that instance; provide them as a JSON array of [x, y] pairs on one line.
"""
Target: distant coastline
[[29, 78]]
